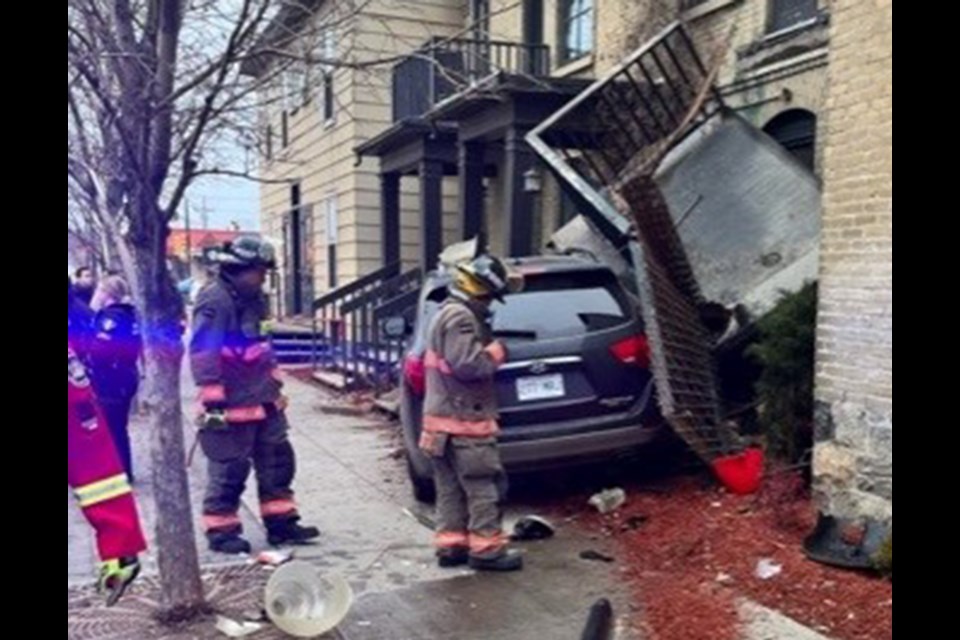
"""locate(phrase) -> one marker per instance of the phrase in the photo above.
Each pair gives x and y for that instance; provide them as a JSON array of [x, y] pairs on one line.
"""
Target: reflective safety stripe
[[447, 539], [245, 414], [458, 427], [102, 490], [220, 521], [213, 393], [480, 544], [279, 507], [250, 354], [257, 351]]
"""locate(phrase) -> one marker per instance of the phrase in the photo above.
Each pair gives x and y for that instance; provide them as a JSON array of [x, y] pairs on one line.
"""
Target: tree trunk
[[182, 591]]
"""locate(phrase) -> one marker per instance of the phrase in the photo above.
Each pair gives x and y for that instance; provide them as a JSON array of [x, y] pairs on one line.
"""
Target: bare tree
[[151, 86], [154, 88]]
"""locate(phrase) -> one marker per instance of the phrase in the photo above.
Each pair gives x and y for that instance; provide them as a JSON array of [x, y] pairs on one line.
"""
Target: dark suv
[[576, 387]]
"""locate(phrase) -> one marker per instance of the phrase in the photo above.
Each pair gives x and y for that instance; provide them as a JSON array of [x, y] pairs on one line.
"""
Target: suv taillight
[[415, 374], [634, 351]]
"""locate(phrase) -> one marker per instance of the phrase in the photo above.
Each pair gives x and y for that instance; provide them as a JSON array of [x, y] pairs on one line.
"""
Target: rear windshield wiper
[[515, 333], [600, 321]]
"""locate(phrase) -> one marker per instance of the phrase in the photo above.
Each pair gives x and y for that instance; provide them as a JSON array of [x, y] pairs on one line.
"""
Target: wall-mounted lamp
[[532, 181]]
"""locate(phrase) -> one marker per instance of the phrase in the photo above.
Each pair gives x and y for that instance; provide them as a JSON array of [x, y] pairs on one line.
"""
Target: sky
[[222, 201]]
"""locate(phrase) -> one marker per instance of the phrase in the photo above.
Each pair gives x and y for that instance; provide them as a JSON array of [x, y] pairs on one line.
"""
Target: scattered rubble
[[608, 500]]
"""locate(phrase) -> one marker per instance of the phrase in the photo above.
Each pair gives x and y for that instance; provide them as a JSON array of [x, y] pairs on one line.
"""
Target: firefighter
[[79, 323], [114, 355], [460, 420], [99, 483], [242, 421]]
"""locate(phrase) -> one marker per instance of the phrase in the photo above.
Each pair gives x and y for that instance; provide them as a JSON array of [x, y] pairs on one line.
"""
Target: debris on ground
[[235, 629], [691, 562], [633, 522], [274, 557], [256, 615], [767, 568], [590, 554], [532, 528], [608, 500]]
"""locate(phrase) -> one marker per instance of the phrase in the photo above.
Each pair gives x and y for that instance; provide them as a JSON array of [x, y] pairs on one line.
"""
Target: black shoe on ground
[[230, 543], [452, 557], [508, 561], [290, 532]]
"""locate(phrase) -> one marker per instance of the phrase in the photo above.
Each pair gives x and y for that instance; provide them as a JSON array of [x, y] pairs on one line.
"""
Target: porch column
[[471, 188], [431, 211], [518, 206], [390, 217]]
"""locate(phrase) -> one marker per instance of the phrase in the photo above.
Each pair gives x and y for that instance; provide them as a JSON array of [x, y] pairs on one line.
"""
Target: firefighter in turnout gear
[[96, 475], [460, 420], [242, 423]]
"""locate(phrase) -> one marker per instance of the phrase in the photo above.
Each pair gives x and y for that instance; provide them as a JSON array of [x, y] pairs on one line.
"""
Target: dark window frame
[[569, 16], [783, 15]]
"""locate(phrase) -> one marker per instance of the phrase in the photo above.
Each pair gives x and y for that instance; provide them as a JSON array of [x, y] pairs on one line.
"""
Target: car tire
[[418, 466], [423, 488]]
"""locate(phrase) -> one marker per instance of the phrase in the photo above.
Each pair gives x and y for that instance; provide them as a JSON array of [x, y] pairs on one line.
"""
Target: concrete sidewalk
[[351, 484]]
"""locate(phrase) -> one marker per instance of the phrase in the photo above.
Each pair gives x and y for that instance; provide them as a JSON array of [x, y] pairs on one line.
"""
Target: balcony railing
[[444, 67]]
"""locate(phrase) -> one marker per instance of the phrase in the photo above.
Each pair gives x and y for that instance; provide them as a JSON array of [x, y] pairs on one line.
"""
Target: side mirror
[[396, 328]]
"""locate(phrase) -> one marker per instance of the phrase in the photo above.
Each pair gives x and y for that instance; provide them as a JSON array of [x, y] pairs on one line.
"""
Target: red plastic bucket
[[740, 473]]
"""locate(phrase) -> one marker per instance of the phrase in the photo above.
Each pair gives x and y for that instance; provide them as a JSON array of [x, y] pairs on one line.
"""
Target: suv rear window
[[559, 305]]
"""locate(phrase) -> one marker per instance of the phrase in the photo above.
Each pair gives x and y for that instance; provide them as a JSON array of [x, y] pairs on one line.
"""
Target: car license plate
[[540, 388]]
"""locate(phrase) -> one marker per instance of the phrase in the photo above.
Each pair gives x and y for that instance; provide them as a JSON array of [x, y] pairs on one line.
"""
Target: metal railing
[[443, 67], [405, 306], [373, 348], [607, 144], [347, 336], [335, 332]]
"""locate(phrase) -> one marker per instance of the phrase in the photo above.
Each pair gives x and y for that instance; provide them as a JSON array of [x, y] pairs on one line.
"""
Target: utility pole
[[204, 213], [186, 220]]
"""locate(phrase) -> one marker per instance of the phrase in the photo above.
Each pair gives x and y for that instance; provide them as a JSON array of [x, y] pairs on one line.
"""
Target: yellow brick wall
[[854, 383]]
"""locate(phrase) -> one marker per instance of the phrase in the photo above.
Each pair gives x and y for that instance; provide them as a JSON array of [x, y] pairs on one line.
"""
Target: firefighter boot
[[452, 557], [288, 531], [115, 576], [506, 560], [231, 543]]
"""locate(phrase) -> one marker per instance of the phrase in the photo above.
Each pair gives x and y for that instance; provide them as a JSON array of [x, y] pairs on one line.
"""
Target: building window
[[268, 142], [284, 129], [329, 112], [327, 97], [292, 83], [333, 233], [298, 84], [784, 14], [576, 29], [796, 131]]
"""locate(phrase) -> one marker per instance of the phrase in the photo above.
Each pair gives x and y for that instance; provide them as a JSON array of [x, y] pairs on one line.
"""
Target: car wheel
[[423, 488]]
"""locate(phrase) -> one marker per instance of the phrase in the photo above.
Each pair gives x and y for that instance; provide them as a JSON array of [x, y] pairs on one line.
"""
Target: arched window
[[796, 130]]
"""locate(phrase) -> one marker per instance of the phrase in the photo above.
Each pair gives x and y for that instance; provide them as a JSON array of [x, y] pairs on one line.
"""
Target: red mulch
[[697, 550]]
